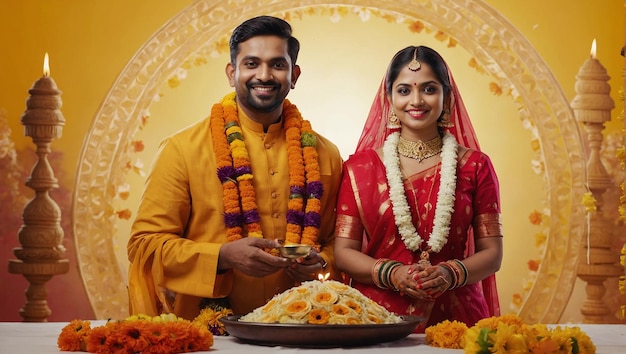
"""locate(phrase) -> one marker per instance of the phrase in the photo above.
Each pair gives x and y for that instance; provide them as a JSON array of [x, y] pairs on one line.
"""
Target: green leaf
[[575, 348]]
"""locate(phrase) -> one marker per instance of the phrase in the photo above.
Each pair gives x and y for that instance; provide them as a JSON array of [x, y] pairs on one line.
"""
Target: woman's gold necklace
[[420, 150]]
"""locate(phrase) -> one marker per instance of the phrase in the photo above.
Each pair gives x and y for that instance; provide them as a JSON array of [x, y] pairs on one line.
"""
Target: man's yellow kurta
[[179, 227]]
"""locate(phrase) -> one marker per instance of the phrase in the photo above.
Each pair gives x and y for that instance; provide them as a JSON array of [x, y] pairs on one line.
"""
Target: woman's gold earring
[[393, 121], [444, 120]]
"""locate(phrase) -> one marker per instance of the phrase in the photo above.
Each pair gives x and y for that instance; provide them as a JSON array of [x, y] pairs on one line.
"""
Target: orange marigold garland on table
[[509, 334], [166, 333], [233, 169]]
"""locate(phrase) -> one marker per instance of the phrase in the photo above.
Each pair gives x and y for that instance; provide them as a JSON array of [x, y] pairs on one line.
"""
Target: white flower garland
[[445, 196]]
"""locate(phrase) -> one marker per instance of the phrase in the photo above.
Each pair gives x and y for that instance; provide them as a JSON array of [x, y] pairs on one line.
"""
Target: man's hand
[[247, 256]]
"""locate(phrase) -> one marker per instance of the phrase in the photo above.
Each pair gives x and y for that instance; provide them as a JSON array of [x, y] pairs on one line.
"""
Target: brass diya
[[294, 251]]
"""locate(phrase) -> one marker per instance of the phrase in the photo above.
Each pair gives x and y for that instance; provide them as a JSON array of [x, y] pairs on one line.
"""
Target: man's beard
[[265, 104]]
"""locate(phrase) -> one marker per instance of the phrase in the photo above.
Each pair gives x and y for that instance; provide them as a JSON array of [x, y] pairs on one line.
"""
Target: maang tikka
[[414, 65]]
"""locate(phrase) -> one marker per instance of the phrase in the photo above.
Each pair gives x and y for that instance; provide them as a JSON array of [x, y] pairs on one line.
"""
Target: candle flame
[[46, 65], [322, 277], [593, 49]]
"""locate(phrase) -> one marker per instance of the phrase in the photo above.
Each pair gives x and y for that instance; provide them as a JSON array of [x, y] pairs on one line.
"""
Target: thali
[[319, 336]]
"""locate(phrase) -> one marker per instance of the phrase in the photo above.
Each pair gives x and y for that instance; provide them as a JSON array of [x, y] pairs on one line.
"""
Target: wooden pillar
[[41, 237], [592, 107]]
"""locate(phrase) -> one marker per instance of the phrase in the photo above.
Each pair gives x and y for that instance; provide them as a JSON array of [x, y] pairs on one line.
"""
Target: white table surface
[[41, 338]]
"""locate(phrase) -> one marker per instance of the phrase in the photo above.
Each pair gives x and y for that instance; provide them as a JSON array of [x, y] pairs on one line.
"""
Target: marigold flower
[[173, 82], [495, 88], [353, 320], [354, 306], [589, 201], [540, 239], [508, 334], [533, 264], [446, 334], [340, 309], [210, 319], [441, 36], [416, 27], [373, 318], [535, 217], [141, 334], [323, 298], [318, 316], [474, 64], [137, 145], [74, 335], [298, 309], [124, 214]]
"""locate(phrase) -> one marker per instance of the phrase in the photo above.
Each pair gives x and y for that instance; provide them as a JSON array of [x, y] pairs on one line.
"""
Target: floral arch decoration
[[491, 39]]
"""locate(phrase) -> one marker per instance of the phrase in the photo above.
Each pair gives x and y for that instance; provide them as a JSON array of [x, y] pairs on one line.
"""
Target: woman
[[418, 227]]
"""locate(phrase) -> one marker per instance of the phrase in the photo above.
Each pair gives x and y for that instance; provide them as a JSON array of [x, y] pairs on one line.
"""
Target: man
[[223, 192]]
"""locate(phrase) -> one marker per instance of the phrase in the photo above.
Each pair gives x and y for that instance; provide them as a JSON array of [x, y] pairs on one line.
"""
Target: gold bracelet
[[375, 271]]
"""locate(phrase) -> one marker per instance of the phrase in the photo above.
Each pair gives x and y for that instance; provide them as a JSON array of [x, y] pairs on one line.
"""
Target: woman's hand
[[421, 282], [433, 280]]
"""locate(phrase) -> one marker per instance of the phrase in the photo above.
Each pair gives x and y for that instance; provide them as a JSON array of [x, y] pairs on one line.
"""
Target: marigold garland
[[166, 333], [235, 173], [509, 334]]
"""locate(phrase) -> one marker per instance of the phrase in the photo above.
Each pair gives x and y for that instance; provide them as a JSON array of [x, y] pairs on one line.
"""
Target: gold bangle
[[375, 270]]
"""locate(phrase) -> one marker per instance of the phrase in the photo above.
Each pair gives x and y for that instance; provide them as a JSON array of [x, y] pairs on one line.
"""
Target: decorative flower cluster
[[235, 173], [509, 334], [166, 333], [321, 302], [210, 318]]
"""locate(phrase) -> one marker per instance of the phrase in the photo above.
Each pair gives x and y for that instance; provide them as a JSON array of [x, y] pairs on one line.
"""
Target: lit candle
[[43, 106], [46, 65], [593, 102], [41, 236], [592, 107], [592, 53], [322, 277]]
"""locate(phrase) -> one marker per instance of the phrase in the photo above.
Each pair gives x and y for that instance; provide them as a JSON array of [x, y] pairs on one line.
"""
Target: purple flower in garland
[[312, 219], [295, 217], [251, 216], [243, 170], [315, 189], [295, 191], [232, 219], [225, 173]]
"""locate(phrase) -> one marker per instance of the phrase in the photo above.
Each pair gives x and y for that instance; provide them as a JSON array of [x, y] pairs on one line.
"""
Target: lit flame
[[322, 277], [46, 65], [593, 49]]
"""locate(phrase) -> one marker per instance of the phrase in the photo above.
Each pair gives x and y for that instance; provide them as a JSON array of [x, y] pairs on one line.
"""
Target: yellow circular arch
[[490, 38]]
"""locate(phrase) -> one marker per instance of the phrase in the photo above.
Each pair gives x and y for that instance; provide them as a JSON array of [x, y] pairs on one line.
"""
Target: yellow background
[[90, 42]]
